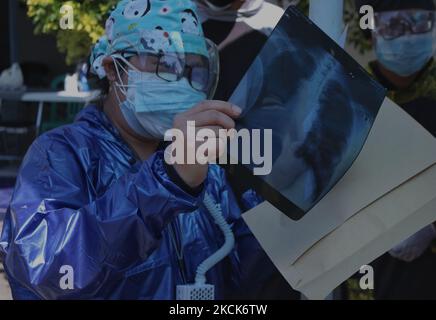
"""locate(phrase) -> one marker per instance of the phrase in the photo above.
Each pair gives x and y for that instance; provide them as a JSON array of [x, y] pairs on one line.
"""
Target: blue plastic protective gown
[[126, 230]]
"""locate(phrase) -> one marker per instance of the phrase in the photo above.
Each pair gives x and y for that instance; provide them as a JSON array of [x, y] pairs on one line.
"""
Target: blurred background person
[[239, 28], [404, 41]]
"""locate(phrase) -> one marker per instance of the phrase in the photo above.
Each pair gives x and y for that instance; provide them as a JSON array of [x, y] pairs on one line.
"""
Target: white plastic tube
[[216, 212]]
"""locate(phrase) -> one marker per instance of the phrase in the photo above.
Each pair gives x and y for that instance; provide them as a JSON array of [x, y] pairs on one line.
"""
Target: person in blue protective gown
[[97, 213]]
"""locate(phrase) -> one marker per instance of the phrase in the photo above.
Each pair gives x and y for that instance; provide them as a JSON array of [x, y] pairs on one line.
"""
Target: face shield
[[169, 60], [160, 75], [404, 40]]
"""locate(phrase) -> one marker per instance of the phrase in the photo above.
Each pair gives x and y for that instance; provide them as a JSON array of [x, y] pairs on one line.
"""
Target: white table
[[60, 97], [42, 97]]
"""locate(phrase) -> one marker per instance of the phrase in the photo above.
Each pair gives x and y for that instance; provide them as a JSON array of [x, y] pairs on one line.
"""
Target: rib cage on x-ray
[[316, 104]]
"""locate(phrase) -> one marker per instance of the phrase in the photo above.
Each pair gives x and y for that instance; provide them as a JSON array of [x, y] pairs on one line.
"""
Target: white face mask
[[152, 103]]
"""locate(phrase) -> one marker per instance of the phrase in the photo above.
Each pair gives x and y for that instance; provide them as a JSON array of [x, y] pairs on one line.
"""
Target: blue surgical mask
[[150, 93], [405, 55], [152, 103]]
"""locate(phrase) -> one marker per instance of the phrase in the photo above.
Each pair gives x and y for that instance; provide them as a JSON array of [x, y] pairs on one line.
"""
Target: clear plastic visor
[[202, 72]]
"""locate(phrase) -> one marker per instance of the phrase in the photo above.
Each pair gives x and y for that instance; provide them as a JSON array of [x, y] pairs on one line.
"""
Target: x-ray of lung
[[320, 105]]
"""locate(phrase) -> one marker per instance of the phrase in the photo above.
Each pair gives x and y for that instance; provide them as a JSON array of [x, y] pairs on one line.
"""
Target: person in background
[[239, 28], [404, 42]]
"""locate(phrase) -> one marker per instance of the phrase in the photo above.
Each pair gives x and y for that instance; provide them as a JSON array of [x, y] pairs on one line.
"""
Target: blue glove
[[413, 247]]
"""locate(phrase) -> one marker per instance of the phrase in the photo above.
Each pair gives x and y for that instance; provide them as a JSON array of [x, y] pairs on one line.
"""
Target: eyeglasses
[[394, 24], [173, 67], [195, 68]]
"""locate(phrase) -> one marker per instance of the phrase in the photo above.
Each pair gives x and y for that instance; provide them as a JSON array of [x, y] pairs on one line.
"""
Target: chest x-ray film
[[320, 105]]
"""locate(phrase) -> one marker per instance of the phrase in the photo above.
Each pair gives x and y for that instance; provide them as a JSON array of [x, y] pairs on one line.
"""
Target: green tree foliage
[[89, 18], [90, 15]]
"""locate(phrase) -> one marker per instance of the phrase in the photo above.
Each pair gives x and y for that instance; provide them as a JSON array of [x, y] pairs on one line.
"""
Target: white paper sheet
[[365, 236], [397, 149]]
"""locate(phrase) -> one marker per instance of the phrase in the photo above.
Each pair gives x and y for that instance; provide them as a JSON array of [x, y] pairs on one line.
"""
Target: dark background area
[[4, 35], [35, 52], [38, 56]]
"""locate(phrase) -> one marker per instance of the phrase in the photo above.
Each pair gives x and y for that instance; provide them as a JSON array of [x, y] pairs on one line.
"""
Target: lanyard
[[179, 250]]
